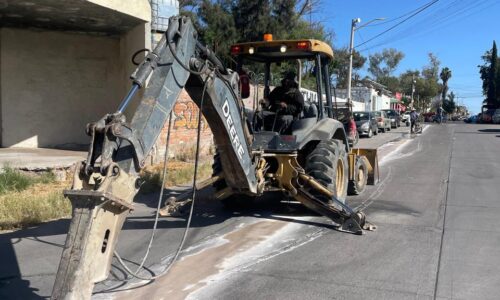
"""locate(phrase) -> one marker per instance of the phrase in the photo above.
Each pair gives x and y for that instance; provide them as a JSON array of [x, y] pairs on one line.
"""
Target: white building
[[366, 98], [341, 102]]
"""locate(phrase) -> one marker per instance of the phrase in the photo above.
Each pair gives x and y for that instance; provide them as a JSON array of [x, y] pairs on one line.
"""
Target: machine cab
[[259, 61]]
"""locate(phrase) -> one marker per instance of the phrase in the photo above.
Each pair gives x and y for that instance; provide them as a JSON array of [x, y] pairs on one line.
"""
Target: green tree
[[445, 75], [252, 19], [284, 17], [427, 86], [406, 81], [431, 71], [340, 65], [385, 63], [449, 104], [391, 82], [218, 29], [490, 75]]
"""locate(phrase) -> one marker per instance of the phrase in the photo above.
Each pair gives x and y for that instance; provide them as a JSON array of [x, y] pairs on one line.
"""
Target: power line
[[437, 21], [401, 22], [395, 19]]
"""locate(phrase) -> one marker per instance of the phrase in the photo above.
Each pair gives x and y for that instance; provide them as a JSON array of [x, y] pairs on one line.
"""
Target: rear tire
[[358, 185], [327, 163]]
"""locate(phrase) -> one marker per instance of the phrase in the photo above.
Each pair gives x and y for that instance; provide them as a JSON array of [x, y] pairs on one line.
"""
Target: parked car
[[486, 116], [343, 115], [496, 117], [394, 116], [471, 119], [429, 117], [365, 123], [405, 118], [383, 122]]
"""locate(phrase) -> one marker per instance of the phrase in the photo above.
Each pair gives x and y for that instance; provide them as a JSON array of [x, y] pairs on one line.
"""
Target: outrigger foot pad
[[356, 223], [351, 226]]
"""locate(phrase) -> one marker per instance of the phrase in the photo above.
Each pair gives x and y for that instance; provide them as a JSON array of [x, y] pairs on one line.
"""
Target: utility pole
[[354, 22], [351, 53], [412, 89]]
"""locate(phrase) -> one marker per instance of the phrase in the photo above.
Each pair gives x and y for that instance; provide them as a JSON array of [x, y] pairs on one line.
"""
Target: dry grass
[[178, 172], [38, 203], [29, 200], [13, 180]]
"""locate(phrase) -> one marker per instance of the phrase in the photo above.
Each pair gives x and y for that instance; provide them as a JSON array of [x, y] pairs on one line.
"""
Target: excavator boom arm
[[105, 185]]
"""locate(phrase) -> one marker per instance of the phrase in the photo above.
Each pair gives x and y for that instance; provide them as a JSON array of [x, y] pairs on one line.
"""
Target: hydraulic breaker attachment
[[98, 215], [293, 180]]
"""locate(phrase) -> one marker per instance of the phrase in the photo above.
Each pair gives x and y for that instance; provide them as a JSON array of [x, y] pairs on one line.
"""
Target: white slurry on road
[[219, 258], [398, 149], [286, 239]]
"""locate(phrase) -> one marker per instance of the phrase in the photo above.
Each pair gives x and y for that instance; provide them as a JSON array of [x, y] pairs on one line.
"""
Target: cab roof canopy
[[280, 50]]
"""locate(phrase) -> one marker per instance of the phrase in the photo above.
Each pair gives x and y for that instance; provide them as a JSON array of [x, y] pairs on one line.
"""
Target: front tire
[[358, 185], [327, 163], [370, 133]]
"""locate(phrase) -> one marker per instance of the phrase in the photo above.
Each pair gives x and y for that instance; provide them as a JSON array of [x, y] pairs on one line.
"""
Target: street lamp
[[351, 52]]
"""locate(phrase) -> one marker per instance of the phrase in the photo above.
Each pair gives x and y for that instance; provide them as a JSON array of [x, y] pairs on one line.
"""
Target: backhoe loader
[[312, 164]]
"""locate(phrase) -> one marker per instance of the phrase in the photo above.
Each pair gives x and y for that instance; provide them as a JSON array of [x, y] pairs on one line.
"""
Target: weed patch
[[178, 173], [39, 203], [13, 180]]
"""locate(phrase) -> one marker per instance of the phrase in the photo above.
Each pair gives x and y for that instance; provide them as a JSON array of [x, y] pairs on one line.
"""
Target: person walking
[[413, 120]]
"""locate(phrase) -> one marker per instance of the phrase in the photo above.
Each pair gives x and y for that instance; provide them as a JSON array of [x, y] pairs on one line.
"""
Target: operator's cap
[[290, 75]]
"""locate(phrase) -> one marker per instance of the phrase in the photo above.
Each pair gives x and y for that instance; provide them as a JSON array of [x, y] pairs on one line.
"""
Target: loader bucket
[[371, 158]]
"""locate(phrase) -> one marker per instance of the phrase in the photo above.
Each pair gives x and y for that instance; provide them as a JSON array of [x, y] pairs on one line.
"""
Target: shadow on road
[[12, 284], [489, 130]]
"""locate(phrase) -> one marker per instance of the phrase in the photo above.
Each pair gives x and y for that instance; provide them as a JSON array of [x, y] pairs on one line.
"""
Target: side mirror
[[244, 84]]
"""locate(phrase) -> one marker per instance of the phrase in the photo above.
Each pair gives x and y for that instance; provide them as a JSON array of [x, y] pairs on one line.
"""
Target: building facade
[[366, 98], [64, 64]]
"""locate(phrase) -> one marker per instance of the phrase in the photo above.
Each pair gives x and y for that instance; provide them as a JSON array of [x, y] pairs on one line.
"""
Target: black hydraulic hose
[[188, 225], [210, 55], [160, 198], [170, 36]]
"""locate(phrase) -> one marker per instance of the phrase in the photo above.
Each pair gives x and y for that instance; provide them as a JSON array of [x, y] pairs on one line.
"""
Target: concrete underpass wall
[[54, 83]]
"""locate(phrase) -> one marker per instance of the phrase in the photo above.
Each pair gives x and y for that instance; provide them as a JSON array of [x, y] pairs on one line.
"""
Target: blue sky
[[457, 31]]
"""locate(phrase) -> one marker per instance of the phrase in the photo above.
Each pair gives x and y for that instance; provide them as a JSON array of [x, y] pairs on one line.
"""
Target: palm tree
[[445, 76]]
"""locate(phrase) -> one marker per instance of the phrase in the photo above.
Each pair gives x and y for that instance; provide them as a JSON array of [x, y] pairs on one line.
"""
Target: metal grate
[[161, 10]]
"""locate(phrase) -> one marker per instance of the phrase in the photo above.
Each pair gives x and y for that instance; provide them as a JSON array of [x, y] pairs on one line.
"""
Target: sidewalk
[[39, 159], [376, 141]]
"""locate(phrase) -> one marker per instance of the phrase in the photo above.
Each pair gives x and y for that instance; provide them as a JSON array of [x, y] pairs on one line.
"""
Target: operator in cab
[[287, 102]]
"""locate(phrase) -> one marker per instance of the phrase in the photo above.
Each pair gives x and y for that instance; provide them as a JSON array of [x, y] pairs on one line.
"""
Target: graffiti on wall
[[186, 116]]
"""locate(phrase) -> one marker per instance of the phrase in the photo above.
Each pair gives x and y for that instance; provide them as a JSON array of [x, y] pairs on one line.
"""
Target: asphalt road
[[435, 209]]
